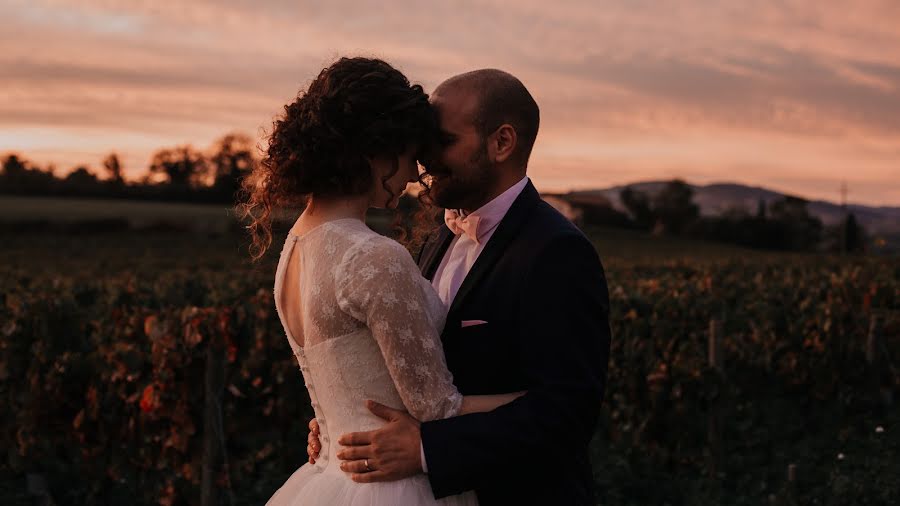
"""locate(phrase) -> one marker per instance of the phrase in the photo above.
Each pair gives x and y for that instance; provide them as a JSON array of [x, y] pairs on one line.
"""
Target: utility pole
[[844, 219]]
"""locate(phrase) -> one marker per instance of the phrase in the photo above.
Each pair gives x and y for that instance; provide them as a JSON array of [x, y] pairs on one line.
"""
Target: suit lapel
[[434, 252], [495, 248]]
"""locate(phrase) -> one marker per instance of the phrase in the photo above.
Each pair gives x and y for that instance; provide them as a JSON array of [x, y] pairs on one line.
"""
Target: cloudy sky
[[793, 95]]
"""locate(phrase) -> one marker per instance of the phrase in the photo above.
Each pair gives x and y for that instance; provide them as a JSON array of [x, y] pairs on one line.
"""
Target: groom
[[528, 311]]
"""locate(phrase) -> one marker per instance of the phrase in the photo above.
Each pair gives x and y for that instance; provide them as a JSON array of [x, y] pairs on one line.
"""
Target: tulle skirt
[[311, 485]]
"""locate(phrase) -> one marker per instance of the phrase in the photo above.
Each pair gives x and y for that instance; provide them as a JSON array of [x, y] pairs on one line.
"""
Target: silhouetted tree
[[114, 169], [81, 176], [761, 209], [854, 235], [638, 205], [184, 167], [232, 158], [81, 181], [789, 208], [797, 229], [674, 206], [18, 178], [13, 167], [847, 236]]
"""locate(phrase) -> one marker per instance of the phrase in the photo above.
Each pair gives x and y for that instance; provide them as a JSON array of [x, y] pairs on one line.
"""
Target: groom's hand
[[393, 451]]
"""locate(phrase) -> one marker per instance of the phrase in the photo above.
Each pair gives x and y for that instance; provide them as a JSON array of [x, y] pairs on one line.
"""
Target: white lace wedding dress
[[370, 330]]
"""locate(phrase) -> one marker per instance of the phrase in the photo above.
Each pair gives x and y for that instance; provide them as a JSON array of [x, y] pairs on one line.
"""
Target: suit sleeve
[[565, 336]]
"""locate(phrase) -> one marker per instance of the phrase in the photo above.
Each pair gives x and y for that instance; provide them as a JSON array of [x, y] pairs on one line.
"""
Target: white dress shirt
[[464, 250]]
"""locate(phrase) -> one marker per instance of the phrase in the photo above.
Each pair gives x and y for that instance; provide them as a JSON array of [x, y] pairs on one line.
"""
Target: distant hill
[[714, 199]]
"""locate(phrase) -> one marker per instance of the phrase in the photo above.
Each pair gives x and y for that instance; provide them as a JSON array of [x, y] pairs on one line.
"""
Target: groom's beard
[[469, 191]]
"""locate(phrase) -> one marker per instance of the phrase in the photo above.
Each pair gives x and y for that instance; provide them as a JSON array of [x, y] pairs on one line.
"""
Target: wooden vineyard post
[[210, 492], [876, 357], [717, 363], [792, 483], [872, 339], [716, 355]]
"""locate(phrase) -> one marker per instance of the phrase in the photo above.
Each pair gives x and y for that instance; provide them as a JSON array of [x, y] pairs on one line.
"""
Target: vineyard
[[106, 345]]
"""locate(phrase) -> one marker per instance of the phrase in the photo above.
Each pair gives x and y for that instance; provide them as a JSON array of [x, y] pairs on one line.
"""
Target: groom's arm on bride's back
[[564, 336]]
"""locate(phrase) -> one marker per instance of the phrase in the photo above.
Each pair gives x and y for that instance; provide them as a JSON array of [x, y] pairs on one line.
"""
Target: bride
[[361, 320]]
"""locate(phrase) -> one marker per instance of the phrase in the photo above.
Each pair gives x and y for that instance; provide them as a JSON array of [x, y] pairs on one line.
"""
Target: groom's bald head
[[500, 98]]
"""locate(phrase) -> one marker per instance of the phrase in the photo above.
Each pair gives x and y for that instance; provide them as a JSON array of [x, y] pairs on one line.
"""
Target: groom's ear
[[502, 143]]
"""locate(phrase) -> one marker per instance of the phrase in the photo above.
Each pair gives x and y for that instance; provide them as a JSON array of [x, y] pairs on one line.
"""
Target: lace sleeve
[[378, 283]]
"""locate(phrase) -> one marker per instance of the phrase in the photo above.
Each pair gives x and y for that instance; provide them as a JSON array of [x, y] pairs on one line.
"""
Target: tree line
[[182, 173], [187, 174], [784, 224]]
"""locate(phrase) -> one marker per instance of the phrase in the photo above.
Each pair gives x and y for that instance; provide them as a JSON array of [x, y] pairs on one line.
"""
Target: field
[[105, 340], [136, 213]]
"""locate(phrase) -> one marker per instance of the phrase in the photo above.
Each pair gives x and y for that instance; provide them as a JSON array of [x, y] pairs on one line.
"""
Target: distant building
[[562, 205]]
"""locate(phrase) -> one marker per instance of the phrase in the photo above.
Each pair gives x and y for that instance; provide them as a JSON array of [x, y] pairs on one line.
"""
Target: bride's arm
[[485, 403], [379, 284]]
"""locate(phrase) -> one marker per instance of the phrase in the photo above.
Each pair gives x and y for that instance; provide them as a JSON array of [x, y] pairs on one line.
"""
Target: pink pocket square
[[472, 323]]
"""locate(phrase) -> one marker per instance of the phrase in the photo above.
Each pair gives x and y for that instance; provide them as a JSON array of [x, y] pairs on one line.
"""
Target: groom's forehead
[[457, 106]]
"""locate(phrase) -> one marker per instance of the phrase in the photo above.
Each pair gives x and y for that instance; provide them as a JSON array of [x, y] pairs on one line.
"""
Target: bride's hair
[[356, 109]]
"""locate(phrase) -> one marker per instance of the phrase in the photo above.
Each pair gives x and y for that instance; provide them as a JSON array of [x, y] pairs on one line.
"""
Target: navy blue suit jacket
[[541, 287]]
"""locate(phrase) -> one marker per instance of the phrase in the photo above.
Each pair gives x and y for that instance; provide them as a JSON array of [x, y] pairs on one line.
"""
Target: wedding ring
[[367, 465]]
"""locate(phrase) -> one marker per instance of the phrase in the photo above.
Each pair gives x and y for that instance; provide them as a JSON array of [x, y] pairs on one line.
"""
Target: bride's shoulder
[[374, 258], [367, 246], [378, 245]]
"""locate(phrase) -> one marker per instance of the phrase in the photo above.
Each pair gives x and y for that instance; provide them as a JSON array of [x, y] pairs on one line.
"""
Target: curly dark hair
[[356, 109]]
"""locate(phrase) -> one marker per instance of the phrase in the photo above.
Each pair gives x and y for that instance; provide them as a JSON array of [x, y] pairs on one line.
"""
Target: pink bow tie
[[462, 224]]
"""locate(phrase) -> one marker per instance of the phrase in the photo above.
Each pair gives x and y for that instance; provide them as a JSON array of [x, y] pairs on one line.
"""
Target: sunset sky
[[797, 96]]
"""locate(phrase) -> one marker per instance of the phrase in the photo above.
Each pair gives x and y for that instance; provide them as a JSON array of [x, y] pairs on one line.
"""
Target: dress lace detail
[[370, 330], [378, 283]]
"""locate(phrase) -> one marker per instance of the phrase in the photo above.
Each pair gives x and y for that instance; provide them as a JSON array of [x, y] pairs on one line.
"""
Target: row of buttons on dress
[[323, 436]]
